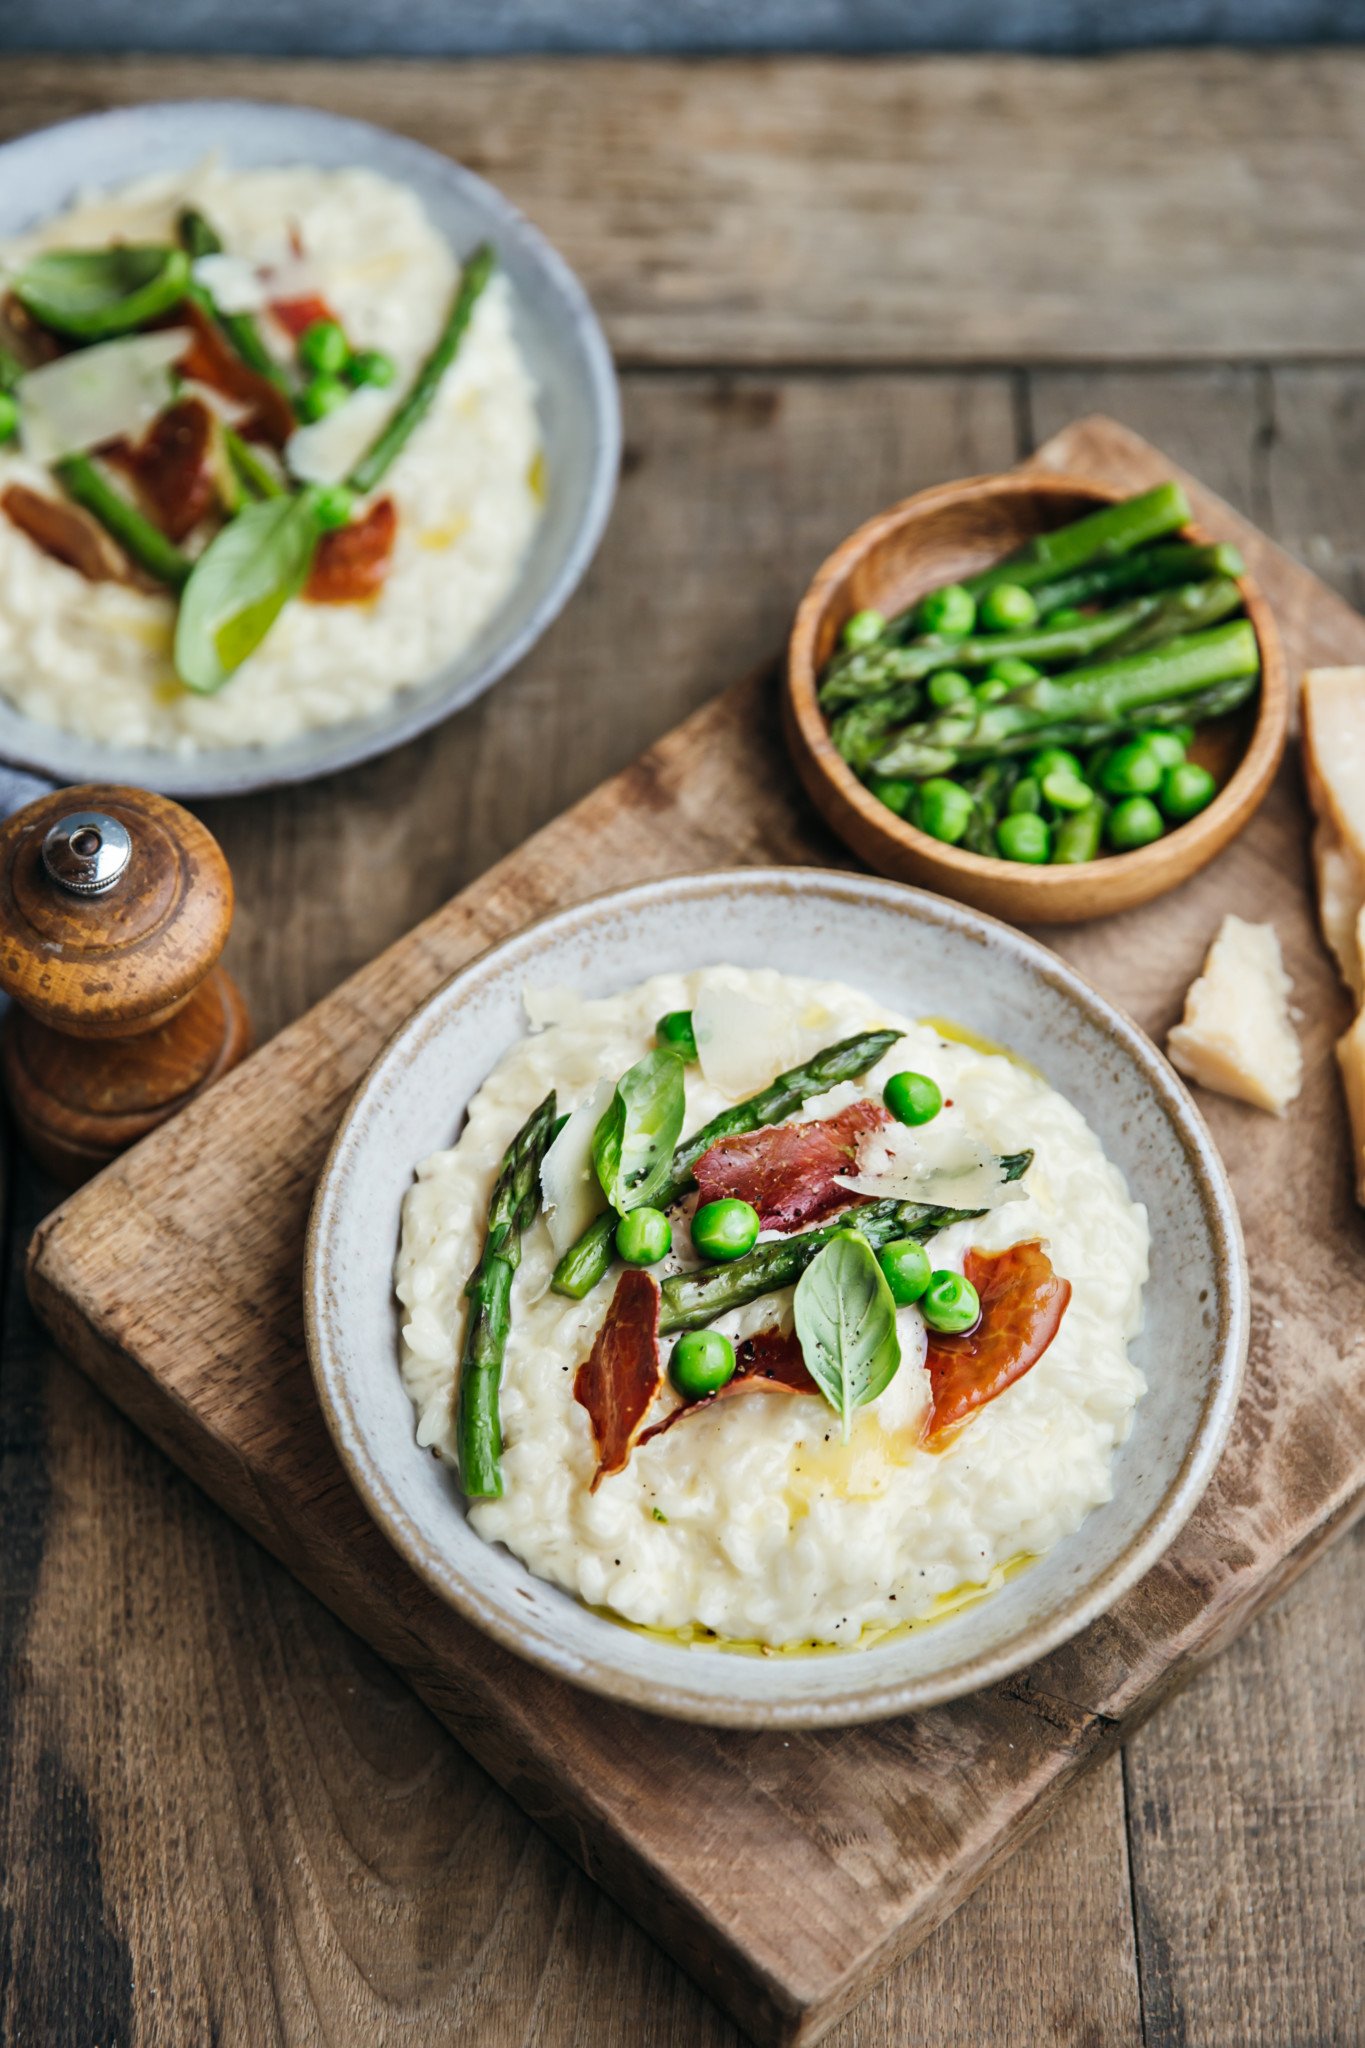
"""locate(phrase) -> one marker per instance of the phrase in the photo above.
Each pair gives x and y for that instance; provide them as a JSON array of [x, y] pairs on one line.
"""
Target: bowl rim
[[236, 771], [866, 1701], [1116, 873]]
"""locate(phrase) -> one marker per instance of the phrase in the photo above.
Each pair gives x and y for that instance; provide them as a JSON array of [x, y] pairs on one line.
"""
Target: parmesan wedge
[[1334, 764], [1236, 1037]]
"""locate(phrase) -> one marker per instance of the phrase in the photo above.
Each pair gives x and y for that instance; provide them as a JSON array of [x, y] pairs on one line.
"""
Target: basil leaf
[[92, 293], [239, 586], [632, 1147], [846, 1321]]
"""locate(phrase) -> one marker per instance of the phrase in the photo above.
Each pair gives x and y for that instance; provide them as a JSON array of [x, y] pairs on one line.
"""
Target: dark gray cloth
[[470, 27]]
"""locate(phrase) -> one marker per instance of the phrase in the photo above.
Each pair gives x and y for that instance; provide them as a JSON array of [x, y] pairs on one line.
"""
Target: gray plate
[[919, 955], [557, 331]]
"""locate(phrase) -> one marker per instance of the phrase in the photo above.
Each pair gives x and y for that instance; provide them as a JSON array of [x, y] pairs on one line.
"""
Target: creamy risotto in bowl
[[304, 436], [775, 1346]]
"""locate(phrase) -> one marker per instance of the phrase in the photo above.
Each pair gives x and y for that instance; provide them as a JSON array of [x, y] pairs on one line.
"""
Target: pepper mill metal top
[[87, 851]]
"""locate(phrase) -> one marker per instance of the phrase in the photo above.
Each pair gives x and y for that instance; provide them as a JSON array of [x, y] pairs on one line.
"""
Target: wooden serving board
[[786, 1873]]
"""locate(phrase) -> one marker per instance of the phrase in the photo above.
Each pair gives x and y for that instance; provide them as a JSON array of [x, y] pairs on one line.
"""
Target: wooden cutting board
[[786, 1873]]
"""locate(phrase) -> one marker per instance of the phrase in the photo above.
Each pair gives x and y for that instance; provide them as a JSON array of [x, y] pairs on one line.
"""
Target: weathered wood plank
[[213, 1370], [899, 210]]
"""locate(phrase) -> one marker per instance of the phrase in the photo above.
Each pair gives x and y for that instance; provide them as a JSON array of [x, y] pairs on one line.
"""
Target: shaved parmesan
[[328, 449], [742, 1044], [106, 393], [1235, 1036], [938, 1162], [235, 285], [569, 1185]]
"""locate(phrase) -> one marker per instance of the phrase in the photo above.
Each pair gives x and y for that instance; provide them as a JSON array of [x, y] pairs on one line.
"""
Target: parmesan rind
[[1236, 1036]]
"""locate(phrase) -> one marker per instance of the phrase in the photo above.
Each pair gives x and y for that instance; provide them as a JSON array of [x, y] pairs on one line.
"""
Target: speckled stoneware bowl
[[922, 956], [558, 333]]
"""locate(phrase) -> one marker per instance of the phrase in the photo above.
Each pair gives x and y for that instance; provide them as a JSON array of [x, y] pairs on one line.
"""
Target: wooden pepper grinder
[[114, 907]]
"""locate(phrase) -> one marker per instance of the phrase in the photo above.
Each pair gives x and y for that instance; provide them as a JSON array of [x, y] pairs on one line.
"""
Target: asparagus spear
[[859, 731], [1116, 530], [198, 237], [584, 1264], [258, 476], [989, 792], [511, 1210], [383, 450], [1039, 643], [691, 1300], [146, 543], [1186, 609], [1077, 838], [1178, 561], [1109, 692]]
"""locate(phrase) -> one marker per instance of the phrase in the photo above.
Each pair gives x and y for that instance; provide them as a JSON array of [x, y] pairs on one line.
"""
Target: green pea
[[912, 1098], [1007, 608], [1132, 770], [703, 1362], [1013, 670], [949, 610], [321, 396], [643, 1236], [1026, 796], [897, 796], [863, 628], [1185, 790], [1133, 823], [906, 1266], [950, 1303], [1065, 791], [947, 687], [1043, 763], [1062, 621], [945, 809], [1168, 747], [9, 415], [991, 691], [725, 1230], [324, 349], [1183, 733], [1024, 836], [675, 1033], [372, 366], [333, 504]]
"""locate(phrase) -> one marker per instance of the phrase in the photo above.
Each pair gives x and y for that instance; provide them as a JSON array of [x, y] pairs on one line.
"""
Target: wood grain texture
[[882, 1829], [894, 210]]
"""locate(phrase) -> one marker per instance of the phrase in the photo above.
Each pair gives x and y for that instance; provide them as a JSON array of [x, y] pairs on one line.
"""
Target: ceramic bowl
[[922, 956], [937, 537], [555, 326]]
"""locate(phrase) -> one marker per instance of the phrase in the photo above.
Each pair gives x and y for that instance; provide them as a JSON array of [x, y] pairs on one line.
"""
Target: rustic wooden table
[[221, 1819]]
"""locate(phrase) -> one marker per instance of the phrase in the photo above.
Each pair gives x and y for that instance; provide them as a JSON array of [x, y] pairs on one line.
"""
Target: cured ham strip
[[768, 1362], [622, 1372], [68, 533], [211, 359], [296, 316], [172, 466], [1022, 1305], [787, 1171], [352, 561]]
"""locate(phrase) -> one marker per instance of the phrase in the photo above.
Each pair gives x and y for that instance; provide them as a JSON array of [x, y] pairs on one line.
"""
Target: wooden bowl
[[939, 536]]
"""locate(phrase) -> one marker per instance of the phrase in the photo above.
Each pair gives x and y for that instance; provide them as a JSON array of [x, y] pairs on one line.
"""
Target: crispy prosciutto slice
[[1022, 1305], [211, 359], [352, 561], [296, 316], [622, 1373], [787, 1171], [769, 1362], [173, 466]]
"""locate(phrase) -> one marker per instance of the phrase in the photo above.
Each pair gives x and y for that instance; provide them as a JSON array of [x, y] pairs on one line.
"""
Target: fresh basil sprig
[[846, 1321], [632, 1147], [91, 294], [241, 583]]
